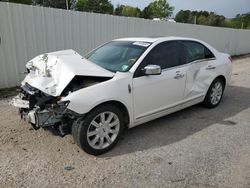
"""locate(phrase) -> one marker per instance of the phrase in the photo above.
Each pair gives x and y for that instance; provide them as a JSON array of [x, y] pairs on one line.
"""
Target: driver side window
[[166, 55]]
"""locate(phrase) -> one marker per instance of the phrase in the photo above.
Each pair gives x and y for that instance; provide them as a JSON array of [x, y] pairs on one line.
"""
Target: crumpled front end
[[50, 78], [42, 110]]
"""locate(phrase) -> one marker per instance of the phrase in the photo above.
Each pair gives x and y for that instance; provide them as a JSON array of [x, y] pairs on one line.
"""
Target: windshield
[[118, 55]]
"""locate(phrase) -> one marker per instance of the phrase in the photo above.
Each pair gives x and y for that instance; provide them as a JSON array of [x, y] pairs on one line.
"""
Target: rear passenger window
[[196, 51], [208, 54]]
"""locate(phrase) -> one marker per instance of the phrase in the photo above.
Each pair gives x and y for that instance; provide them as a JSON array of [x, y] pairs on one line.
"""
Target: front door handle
[[210, 67], [178, 76]]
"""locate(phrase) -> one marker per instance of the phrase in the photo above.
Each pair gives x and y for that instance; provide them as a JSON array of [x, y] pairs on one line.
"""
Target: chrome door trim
[[165, 109]]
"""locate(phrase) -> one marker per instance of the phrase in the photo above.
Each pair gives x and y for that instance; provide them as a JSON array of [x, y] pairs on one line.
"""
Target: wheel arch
[[121, 106], [223, 78], [206, 102]]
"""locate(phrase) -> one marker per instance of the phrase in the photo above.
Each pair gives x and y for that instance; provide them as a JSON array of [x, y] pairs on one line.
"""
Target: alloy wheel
[[103, 130], [216, 94]]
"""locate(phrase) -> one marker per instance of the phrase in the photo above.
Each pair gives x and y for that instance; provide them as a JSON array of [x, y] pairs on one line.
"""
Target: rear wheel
[[214, 94], [100, 130]]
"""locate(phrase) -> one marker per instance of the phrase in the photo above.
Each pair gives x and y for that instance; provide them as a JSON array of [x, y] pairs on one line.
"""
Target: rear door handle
[[210, 67]]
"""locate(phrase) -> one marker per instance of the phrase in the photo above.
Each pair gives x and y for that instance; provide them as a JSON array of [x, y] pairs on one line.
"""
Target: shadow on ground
[[180, 125]]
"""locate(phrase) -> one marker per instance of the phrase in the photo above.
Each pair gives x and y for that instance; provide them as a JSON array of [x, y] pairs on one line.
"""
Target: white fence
[[26, 31]]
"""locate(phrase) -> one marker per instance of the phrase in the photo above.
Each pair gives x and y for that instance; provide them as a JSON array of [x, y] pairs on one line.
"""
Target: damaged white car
[[121, 84]]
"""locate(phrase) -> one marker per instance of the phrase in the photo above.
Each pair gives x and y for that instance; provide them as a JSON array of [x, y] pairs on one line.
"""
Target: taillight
[[230, 58]]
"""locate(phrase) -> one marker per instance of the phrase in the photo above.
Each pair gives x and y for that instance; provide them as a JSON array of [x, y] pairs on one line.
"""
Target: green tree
[[82, 5], [131, 11], [216, 20], [118, 10], [160, 9], [183, 16], [157, 9], [27, 2], [202, 18], [147, 13], [240, 21], [55, 4], [204, 13], [97, 6]]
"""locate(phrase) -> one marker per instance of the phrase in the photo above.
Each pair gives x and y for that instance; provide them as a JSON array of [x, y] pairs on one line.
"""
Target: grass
[[7, 92]]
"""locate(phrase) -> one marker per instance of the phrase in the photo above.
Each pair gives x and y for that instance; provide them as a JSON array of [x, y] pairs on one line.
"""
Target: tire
[[99, 131], [214, 93]]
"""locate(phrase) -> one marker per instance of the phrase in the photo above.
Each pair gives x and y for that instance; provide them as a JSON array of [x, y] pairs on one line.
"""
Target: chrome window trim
[[202, 60], [190, 63], [186, 64]]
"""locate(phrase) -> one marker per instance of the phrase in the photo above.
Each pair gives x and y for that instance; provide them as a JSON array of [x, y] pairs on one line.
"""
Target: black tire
[[81, 126], [208, 99]]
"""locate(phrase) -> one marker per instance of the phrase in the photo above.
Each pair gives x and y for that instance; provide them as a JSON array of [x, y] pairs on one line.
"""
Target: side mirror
[[152, 70]]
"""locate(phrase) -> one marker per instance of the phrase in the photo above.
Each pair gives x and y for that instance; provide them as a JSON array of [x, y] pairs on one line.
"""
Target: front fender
[[116, 89]]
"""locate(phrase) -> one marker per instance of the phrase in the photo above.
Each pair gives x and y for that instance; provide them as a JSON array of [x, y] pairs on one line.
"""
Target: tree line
[[155, 9], [241, 21], [160, 9]]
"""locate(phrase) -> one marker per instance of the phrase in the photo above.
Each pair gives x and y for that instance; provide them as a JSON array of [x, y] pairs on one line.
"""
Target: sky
[[228, 8]]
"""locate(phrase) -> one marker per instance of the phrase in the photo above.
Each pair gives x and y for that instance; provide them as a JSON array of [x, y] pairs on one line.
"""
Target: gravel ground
[[195, 147]]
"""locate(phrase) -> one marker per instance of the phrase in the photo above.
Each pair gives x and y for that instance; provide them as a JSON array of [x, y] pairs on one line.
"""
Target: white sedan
[[121, 84]]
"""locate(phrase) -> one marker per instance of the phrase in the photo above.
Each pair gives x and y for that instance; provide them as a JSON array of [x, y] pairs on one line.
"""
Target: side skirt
[[149, 117]]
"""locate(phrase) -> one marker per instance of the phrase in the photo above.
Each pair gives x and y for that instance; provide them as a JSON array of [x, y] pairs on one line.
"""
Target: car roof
[[154, 39]]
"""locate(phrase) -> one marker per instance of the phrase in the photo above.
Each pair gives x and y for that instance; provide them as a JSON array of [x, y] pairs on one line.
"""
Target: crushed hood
[[52, 72]]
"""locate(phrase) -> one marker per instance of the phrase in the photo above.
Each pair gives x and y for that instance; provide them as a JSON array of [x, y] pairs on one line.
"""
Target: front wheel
[[214, 93], [100, 130]]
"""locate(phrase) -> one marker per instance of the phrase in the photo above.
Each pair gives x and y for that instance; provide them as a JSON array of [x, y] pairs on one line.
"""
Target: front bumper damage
[[50, 78], [42, 110]]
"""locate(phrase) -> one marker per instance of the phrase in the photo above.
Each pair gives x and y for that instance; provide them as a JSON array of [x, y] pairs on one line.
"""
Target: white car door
[[155, 94], [200, 72]]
